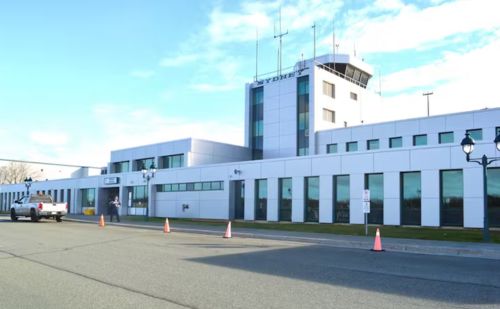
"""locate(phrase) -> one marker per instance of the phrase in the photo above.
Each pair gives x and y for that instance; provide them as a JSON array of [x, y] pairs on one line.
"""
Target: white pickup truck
[[37, 207]]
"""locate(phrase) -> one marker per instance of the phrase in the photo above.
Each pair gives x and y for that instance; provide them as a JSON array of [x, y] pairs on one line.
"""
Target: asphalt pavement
[[417, 246]]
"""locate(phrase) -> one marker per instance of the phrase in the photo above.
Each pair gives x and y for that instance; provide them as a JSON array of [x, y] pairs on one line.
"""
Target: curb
[[446, 248]]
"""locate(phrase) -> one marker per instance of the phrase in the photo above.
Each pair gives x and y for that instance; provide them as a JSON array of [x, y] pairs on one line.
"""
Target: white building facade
[[307, 158]]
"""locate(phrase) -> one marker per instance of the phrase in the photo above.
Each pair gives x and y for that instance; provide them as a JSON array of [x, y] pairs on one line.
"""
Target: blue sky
[[80, 78]]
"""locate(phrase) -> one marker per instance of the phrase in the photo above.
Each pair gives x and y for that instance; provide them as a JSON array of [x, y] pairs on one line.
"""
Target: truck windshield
[[41, 199]]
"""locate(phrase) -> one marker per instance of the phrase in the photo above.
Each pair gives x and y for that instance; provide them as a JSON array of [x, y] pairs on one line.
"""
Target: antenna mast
[[333, 45], [314, 38], [280, 35], [256, 53]]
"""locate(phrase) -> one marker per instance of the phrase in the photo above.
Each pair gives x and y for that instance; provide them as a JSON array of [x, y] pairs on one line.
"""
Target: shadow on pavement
[[447, 279]]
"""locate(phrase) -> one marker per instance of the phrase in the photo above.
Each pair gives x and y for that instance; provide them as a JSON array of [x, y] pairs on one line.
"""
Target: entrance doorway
[[238, 198], [106, 195]]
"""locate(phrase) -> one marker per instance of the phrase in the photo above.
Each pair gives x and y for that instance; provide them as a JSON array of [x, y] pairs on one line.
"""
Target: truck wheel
[[13, 216], [58, 218], [34, 217]]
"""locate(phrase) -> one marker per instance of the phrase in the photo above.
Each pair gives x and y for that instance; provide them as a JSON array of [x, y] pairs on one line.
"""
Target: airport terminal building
[[307, 158]]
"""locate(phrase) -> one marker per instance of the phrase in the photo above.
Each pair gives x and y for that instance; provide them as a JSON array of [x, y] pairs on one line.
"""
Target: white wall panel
[[356, 192], [326, 199], [298, 199]]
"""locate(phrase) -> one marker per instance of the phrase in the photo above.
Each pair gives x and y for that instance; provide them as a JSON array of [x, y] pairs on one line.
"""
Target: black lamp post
[[27, 183], [468, 147], [148, 175]]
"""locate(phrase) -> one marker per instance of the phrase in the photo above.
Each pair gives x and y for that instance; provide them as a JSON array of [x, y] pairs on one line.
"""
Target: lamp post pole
[[427, 94], [148, 175], [468, 147], [27, 183]]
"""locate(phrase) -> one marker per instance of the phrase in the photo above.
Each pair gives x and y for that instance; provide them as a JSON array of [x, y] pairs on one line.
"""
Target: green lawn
[[452, 234]]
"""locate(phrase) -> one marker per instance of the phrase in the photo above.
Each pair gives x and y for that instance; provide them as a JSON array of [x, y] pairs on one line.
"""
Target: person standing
[[113, 209]]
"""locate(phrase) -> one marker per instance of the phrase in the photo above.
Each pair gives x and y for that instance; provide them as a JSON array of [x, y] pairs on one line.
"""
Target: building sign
[[366, 201], [111, 180], [279, 77]]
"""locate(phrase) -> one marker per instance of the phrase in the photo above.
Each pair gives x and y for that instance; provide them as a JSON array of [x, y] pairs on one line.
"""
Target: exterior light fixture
[[147, 175], [468, 147], [27, 183]]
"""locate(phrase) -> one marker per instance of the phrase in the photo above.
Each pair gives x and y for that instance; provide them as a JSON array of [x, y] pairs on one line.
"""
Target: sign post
[[366, 208]]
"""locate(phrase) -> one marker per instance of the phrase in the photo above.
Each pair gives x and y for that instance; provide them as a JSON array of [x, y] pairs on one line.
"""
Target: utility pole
[[427, 94]]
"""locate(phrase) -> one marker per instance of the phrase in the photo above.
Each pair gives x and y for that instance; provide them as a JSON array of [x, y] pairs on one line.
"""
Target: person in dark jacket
[[113, 209]]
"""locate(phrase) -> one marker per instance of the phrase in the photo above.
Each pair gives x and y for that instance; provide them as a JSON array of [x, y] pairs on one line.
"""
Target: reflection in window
[[351, 146], [285, 202], [420, 140], [87, 197], [395, 142], [494, 196], [411, 198], [139, 197], [452, 198], [446, 138], [331, 148], [341, 198], [303, 116], [312, 199], [372, 144], [375, 183], [261, 199]]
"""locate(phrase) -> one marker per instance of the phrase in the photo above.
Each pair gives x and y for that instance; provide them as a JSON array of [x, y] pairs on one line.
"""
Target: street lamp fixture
[[468, 147], [147, 175], [27, 183]]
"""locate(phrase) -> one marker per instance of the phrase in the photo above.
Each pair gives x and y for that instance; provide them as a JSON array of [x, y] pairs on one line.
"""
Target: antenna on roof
[[256, 53], [280, 35], [314, 38], [333, 45], [354, 46]]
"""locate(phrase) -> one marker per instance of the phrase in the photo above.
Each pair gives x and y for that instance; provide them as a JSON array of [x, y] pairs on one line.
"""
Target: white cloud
[[204, 87], [142, 74], [406, 27]]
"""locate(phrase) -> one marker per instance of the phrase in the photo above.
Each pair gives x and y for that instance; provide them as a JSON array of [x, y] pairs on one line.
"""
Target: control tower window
[[328, 89], [354, 96]]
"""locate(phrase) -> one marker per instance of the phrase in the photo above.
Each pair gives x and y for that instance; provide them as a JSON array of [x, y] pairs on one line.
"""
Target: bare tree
[[17, 172]]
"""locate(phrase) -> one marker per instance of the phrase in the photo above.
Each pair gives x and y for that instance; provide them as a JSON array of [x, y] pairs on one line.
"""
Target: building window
[[87, 198], [341, 198], [239, 199], [411, 198], [312, 199], [191, 186], [452, 198], [372, 144], [261, 199], [446, 138], [328, 115], [497, 131], [331, 148], [395, 142], [121, 167], [140, 197], [354, 96], [351, 146], [494, 196], [420, 140], [303, 116], [328, 89], [143, 164], [375, 183], [172, 161], [285, 202], [476, 134], [257, 124]]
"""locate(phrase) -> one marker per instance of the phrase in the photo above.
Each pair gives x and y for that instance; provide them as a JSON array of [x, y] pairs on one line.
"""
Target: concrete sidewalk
[[433, 247]]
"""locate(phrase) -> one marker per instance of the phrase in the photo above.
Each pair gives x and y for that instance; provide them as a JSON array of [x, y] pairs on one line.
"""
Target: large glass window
[[172, 161], [121, 167], [446, 138], [257, 124], [312, 199], [87, 197], [395, 142], [239, 199], [143, 164], [331, 148], [452, 198], [261, 199], [303, 116], [341, 198], [375, 183], [411, 190], [497, 131], [285, 202], [373, 144], [476, 134], [494, 196], [420, 140], [139, 197]]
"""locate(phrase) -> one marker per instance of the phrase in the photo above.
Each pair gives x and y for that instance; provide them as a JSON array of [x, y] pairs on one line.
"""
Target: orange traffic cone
[[377, 246], [166, 228], [228, 230], [101, 221]]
